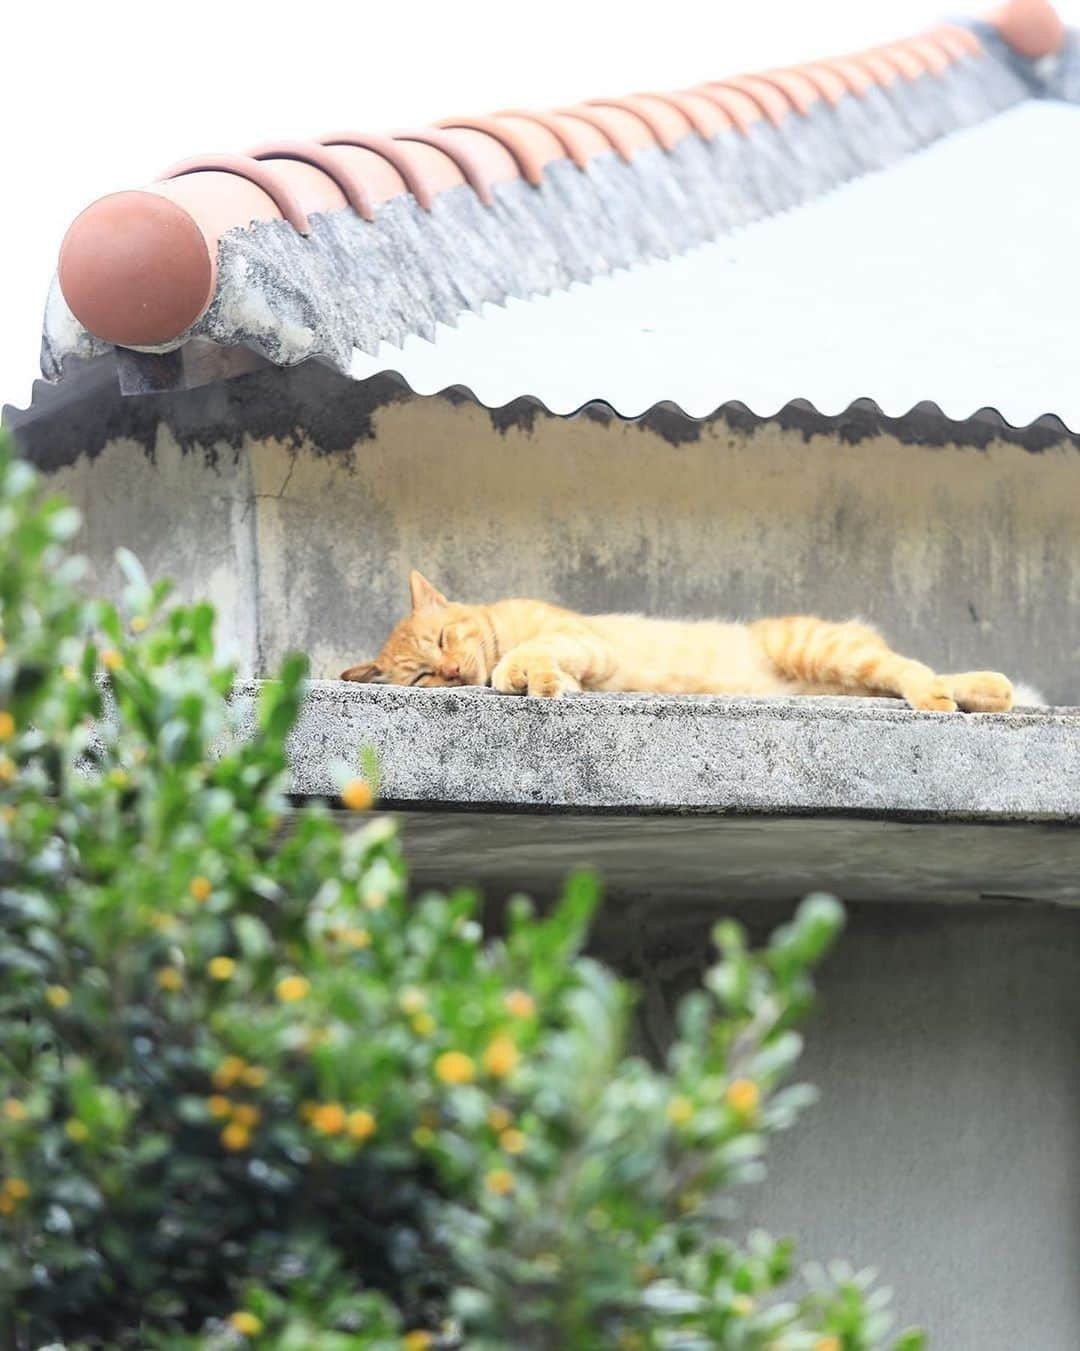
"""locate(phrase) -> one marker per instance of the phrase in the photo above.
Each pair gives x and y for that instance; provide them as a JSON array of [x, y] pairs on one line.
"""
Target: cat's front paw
[[932, 695], [531, 675]]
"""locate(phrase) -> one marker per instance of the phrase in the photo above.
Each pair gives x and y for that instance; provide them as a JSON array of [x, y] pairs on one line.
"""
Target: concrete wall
[[945, 1150], [966, 557]]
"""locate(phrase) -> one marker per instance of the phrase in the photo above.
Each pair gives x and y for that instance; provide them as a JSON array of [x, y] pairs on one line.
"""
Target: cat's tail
[[1027, 696]]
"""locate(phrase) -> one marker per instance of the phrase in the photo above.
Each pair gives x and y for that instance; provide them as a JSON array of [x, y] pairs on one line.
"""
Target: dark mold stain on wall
[[314, 403]]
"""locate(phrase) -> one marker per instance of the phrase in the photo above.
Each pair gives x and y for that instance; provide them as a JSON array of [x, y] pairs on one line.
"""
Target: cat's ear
[[367, 673], [424, 595]]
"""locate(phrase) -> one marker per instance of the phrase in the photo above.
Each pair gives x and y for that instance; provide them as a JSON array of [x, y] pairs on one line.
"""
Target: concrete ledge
[[654, 753]]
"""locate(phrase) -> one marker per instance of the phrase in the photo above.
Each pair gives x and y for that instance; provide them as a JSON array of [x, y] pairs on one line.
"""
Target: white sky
[[101, 96]]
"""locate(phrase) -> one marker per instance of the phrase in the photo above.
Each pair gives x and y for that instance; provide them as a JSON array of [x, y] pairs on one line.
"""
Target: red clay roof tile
[[273, 180], [579, 141], [666, 125], [1031, 27], [136, 269], [800, 92], [766, 97], [740, 107], [329, 162], [834, 79], [532, 147], [627, 132], [703, 115]]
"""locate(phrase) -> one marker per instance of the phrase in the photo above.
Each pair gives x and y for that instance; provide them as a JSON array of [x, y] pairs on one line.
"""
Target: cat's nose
[[451, 671]]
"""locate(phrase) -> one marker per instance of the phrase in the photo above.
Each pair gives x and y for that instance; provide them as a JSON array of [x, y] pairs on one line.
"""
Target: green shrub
[[252, 1093]]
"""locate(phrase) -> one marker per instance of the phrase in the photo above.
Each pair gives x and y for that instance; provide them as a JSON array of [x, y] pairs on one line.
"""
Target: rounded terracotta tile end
[[1033, 28], [135, 269]]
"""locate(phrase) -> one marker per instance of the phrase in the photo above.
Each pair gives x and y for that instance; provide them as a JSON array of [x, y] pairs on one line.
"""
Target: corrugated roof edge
[[315, 405], [149, 269]]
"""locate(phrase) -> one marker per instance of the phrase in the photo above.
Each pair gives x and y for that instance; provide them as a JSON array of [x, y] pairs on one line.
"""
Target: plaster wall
[[965, 556], [945, 1148]]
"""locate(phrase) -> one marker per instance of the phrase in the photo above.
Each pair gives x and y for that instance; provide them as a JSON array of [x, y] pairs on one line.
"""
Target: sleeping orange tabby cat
[[530, 647]]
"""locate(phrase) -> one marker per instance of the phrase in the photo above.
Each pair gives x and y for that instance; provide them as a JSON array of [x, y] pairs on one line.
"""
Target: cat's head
[[440, 643]]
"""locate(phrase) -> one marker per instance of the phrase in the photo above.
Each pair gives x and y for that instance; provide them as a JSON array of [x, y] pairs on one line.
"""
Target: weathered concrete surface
[[717, 860], [650, 753], [964, 556], [945, 1150]]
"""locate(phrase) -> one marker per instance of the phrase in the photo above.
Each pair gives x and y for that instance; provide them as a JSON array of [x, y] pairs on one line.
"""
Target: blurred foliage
[[254, 1094]]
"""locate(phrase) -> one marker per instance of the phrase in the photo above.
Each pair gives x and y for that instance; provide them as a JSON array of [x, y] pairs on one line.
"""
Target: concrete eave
[[637, 754]]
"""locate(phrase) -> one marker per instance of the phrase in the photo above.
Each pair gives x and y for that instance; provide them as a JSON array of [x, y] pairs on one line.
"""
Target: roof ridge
[[139, 268]]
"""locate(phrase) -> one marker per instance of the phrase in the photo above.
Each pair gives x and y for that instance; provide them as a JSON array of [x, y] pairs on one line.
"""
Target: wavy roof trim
[[319, 249]]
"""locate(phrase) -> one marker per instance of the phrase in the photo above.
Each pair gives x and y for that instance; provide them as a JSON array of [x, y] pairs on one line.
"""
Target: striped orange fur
[[531, 647]]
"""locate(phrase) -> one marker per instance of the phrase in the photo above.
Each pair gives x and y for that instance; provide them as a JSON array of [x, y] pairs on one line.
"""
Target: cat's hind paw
[[982, 691]]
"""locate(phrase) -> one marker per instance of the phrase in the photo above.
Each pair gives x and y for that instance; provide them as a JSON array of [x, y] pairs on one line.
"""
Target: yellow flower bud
[[254, 1076], [357, 795], [7, 725], [139, 623], [77, 1131], [423, 1024], [58, 996], [220, 968], [501, 1057], [512, 1140], [17, 1188], [329, 1118], [236, 1136], [355, 938], [500, 1181], [412, 1000], [227, 1073], [246, 1115], [7, 1204], [498, 1118], [7, 770], [423, 1137], [829, 1343], [117, 778], [169, 978], [455, 1067], [519, 1004], [219, 1106], [200, 888], [680, 1111], [14, 1110], [416, 1340], [111, 659], [291, 988], [360, 1124], [743, 1097], [246, 1324]]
